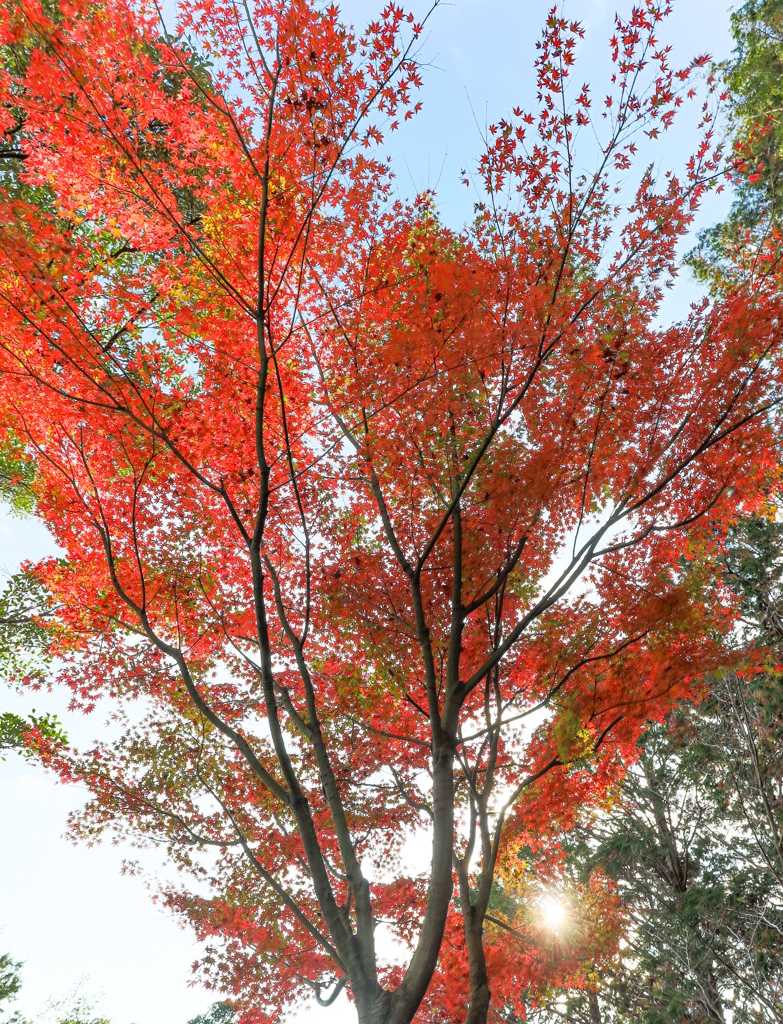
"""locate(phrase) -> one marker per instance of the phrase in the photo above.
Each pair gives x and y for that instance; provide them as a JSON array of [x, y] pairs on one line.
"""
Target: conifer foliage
[[345, 494], [691, 845]]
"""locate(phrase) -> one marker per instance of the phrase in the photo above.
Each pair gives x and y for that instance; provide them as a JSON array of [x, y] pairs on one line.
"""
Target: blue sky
[[69, 912]]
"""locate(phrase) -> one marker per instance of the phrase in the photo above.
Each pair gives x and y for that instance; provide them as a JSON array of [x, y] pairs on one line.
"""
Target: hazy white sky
[[68, 912]]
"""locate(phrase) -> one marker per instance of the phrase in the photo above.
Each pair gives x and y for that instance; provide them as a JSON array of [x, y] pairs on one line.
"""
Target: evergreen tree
[[218, 1013], [23, 606], [693, 839], [754, 94]]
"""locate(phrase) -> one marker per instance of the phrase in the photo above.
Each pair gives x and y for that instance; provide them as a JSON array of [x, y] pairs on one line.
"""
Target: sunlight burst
[[554, 913]]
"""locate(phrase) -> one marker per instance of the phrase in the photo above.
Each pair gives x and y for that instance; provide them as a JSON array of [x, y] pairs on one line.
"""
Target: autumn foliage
[[378, 532]]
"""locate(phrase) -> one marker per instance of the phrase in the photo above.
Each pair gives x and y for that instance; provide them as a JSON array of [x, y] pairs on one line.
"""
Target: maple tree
[[348, 498]]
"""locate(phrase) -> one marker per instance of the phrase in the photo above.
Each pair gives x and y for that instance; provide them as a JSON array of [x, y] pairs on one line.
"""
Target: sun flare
[[554, 913]]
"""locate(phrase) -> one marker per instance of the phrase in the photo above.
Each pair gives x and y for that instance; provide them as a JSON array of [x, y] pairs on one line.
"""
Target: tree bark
[[595, 1009], [480, 993], [375, 1007]]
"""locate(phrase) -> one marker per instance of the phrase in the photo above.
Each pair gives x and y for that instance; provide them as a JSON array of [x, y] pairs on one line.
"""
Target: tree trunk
[[712, 1000], [595, 1009], [478, 1009], [375, 1008], [480, 994]]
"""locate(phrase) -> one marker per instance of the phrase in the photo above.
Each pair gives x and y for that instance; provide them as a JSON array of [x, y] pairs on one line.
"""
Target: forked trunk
[[375, 1008]]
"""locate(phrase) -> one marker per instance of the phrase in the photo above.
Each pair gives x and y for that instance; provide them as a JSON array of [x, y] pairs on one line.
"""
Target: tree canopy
[[376, 530]]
